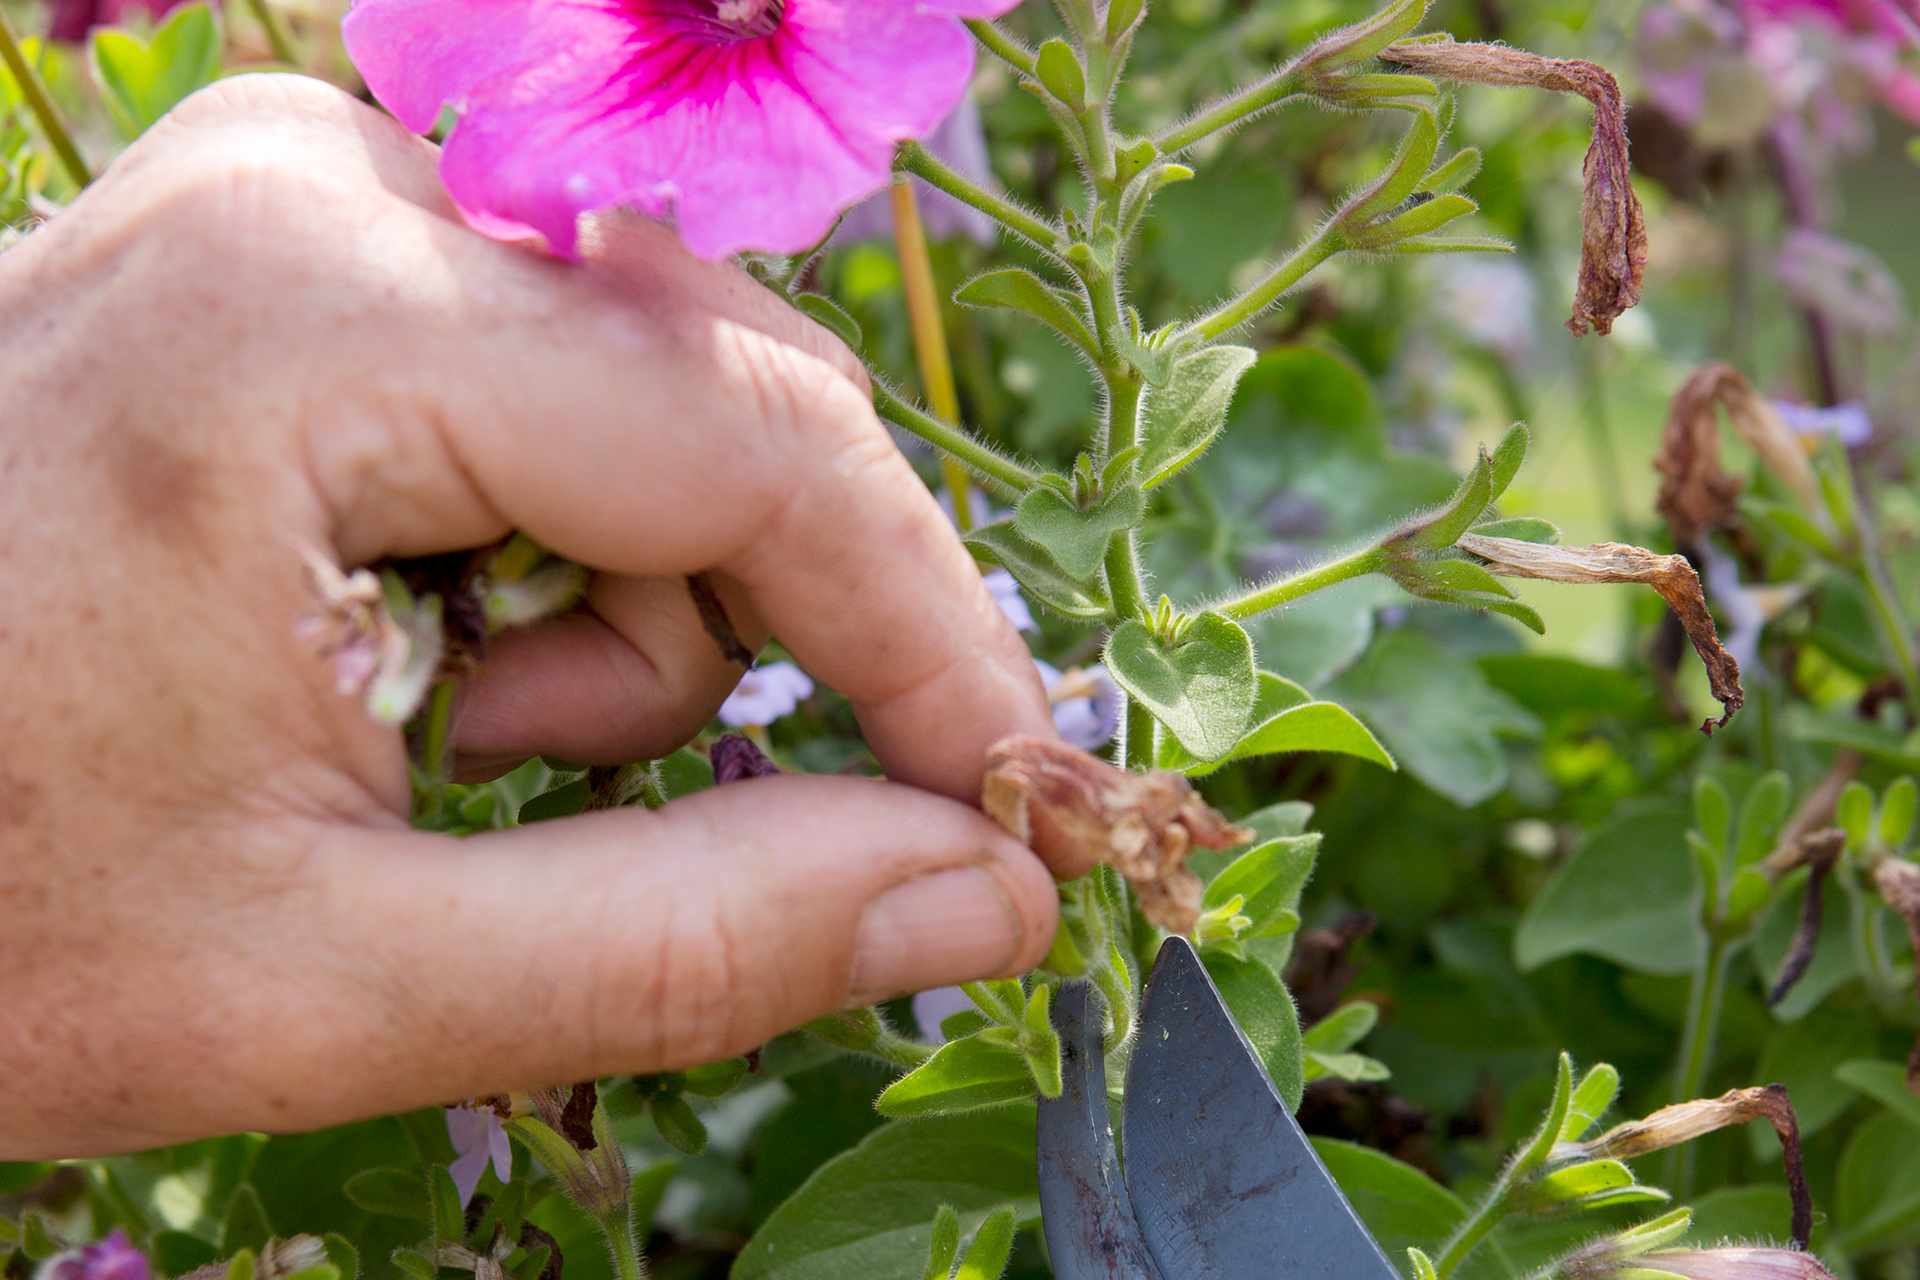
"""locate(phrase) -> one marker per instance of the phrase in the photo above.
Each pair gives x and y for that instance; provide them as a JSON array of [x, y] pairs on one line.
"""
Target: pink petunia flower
[[72, 19], [753, 123]]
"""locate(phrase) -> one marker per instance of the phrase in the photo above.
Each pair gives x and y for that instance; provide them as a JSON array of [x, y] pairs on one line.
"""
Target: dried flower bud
[[1686, 1121], [1078, 810], [277, 1260], [1613, 257], [1696, 494], [1604, 562], [736, 759], [385, 644], [1735, 1264]]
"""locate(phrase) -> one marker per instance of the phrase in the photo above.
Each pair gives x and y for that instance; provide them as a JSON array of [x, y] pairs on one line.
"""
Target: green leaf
[[991, 1248], [1183, 418], [1287, 719], [341, 1253], [1877, 1190], [245, 1225], [1437, 712], [1558, 1110], [1038, 574], [678, 1124], [1404, 1208], [1628, 895], [831, 316], [1015, 289], [715, 1079], [1264, 1008], [1885, 1083], [1058, 68], [414, 1265], [1579, 1181], [1269, 877], [1077, 540], [242, 1265], [945, 1249], [1854, 814], [1468, 503], [686, 772], [1761, 815], [1899, 805], [1355, 1067], [1713, 814], [870, 1211], [962, 1075], [1807, 1057], [1592, 1098], [393, 1193], [562, 802], [141, 82], [1422, 1265], [443, 1201], [1508, 457], [36, 1241], [1520, 529], [1344, 1028], [1202, 688]]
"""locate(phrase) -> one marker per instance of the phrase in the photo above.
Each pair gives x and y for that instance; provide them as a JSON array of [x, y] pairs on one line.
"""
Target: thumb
[[636, 942]]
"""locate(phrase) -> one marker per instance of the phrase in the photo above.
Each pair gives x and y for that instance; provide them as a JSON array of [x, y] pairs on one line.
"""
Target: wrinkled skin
[[266, 330]]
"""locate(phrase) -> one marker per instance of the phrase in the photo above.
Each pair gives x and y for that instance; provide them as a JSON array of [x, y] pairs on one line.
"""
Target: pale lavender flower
[[113, 1258], [478, 1139], [1490, 301], [1006, 594], [984, 512], [931, 1008], [962, 144], [1847, 282], [1734, 1264], [765, 694], [1849, 423], [1086, 704]]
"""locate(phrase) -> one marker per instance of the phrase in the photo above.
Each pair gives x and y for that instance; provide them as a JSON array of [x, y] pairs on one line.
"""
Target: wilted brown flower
[[1696, 494], [1613, 251], [1898, 882], [1079, 810], [1671, 576]]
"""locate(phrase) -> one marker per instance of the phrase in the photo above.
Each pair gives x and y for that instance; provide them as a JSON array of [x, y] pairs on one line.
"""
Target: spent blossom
[[752, 123], [765, 694]]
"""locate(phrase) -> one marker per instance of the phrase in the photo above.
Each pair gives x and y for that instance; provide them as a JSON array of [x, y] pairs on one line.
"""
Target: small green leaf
[[1077, 540], [831, 316], [414, 1264], [945, 1248], [1576, 1182], [1455, 172], [1520, 529], [1760, 817], [1016, 289], [714, 1079], [1121, 16], [1469, 501], [686, 772], [443, 1201], [1557, 1112], [1344, 1028], [1593, 1097], [1422, 1265], [678, 1125], [1269, 878], [140, 81], [561, 802], [1508, 457], [1059, 69], [1428, 215], [1713, 813], [1854, 814], [1038, 574], [36, 1241], [992, 1247], [1356, 1068], [342, 1254], [1184, 417], [1885, 1083], [1202, 688], [963, 1075], [1898, 807], [242, 1265]]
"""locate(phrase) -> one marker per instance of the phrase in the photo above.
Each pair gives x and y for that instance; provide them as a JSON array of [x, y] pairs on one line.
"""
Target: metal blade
[[1223, 1182], [1091, 1232]]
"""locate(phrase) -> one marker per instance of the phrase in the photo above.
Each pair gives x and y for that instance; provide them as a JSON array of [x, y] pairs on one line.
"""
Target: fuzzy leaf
[[1077, 540], [963, 1075], [830, 315], [1038, 574], [1015, 289], [1185, 416], [1264, 1008], [1201, 688], [142, 81]]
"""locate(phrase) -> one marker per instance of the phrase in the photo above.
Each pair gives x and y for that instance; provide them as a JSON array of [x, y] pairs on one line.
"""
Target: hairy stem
[[1001, 45], [277, 38], [1696, 1053], [1273, 595], [1477, 1227], [438, 729], [1891, 620], [923, 164], [1230, 315], [930, 338], [1231, 111], [1004, 473], [41, 104]]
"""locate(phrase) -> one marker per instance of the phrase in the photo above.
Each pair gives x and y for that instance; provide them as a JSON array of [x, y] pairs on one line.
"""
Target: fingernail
[[950, 926]]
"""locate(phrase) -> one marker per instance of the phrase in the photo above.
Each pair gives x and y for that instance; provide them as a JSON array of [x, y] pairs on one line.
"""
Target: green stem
[[1001, 45], [1005, 473], [623, 1247], [41, 104], [1285, 591], [438, 729], [1476, 1228], [1231, 111], [1696, 1053], [1231, 315], [277, 38], [897, 1050], [923, 164], [1891, 620], [1124, 579]]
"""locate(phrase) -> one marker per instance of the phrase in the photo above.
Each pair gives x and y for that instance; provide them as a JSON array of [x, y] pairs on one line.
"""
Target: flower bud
[[1736, 1264]]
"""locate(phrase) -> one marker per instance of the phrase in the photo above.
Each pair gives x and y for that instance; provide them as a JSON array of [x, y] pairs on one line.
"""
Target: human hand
[[266, 330]]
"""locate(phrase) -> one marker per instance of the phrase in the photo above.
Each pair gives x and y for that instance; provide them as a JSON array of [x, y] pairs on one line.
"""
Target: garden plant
[[1591, 958]]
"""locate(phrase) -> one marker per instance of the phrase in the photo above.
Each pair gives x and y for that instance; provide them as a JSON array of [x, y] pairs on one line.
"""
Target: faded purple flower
[[736, 758], [765, 694], [1845, 281], [1849, 423], [478, 1139], [962, 144], [1006, 594], [1086, 704], [113, 1258]]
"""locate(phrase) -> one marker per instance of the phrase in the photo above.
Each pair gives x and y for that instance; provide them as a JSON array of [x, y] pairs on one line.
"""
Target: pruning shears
[[1219, 1181]]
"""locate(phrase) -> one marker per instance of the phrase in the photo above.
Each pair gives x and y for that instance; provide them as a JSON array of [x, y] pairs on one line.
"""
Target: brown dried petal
[[1683, 1122], [1076, 810], [713, 616], [1696, 494], [1613, 255], [1898, 881], [1818, 852], [1604, 562]]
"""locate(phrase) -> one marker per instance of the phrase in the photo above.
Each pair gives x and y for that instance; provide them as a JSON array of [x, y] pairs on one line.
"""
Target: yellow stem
[[929, 336]]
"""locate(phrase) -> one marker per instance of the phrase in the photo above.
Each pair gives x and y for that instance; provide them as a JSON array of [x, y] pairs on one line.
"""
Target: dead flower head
[[1898, 882], [1696, 494], [1613, 251], [1081, 810], [1671, 576]]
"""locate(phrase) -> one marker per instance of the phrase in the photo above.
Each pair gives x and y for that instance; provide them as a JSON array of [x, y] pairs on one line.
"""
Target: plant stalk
[[1003, 472], [34, 90], [1001, 45], [1231, 111], [1231, 315], [1285, 591], [930, 169], [1704, 1006], [930, 338]]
